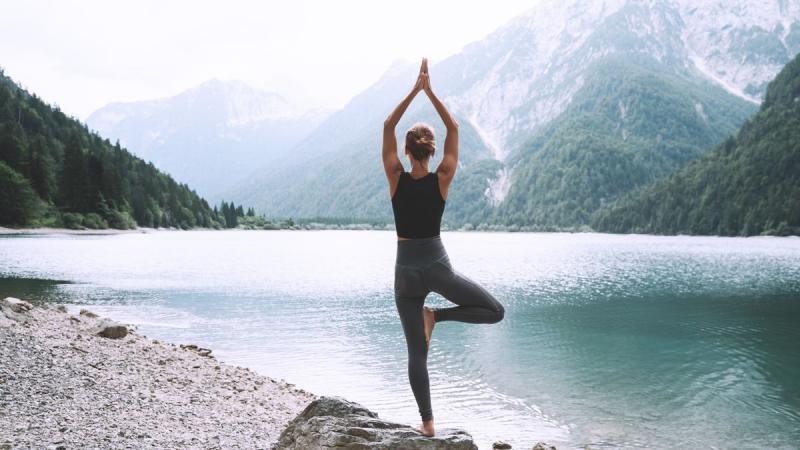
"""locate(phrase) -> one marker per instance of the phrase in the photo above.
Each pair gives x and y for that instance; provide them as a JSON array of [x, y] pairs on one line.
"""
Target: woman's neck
[[419, 168]]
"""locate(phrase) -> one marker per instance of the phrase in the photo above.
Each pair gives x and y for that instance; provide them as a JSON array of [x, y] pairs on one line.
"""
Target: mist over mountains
[[209, 136], [563, 110]]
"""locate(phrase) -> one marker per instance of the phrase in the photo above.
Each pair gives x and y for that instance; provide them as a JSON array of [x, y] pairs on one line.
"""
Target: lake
[[608, 340]]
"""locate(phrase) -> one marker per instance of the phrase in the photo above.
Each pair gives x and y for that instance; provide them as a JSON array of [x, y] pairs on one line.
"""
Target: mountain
[[209, 136], [332, 171], [748, 185], [54, 172], [563, 110], [627, 126]]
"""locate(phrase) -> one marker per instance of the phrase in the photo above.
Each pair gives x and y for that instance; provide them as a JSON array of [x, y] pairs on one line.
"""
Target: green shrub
[[121, 220], [73, 221], [94, 221]]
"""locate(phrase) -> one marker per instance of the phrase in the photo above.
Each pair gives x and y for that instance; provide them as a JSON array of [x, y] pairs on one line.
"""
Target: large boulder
[[15, 309], [111, 330], [333, 422]]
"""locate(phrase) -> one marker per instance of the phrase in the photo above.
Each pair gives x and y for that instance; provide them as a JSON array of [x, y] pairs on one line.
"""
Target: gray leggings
[[423, 267]]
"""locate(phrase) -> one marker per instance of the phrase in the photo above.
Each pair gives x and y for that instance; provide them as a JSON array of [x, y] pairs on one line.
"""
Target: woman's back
[[418, 206]]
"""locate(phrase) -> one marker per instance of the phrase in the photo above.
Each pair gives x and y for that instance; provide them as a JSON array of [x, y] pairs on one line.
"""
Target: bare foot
[[427, 428], [428, 321]]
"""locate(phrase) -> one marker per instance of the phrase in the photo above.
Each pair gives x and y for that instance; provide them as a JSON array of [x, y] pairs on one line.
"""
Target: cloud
[[83, 55]]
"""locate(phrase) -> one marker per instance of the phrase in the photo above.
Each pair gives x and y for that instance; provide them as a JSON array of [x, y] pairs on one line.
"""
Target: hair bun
[[420, 141]]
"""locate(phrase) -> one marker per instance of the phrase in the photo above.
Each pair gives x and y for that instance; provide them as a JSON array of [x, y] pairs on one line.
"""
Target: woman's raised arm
[[447, 168], [391, 162]]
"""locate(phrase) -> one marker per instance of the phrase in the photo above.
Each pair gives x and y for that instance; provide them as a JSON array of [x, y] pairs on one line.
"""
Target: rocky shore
[[81, 381]]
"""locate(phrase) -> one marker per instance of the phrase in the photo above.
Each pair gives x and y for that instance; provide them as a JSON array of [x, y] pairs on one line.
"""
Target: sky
[[82, 55]]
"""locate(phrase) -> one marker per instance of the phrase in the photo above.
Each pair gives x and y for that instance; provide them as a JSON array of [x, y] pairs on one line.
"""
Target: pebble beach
[[80, 381]]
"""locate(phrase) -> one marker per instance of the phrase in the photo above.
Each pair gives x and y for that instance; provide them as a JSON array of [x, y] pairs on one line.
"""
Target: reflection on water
[[633, 341], [34, 289]]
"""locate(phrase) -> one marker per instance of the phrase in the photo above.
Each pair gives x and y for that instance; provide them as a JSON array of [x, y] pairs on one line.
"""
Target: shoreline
[[44, 231], [64, 385], [54, 231]]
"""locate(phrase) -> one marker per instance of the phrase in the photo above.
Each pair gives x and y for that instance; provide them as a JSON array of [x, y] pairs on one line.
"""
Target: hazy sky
[[84, 54]]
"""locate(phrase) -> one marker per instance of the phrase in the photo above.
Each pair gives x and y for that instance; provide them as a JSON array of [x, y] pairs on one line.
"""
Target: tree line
[[55, 172]]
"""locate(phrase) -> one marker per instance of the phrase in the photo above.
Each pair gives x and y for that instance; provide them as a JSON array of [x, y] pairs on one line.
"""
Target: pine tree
[[73, 177], [17, 198], [40, 168]]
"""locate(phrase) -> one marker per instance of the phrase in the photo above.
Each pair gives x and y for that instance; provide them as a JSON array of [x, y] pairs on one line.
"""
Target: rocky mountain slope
[[209, 136]]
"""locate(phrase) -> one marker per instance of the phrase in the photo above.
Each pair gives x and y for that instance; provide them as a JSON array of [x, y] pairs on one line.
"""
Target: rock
[[333, 422], [501, 445], [199, 350], [15, 309], [111, 330], [543, 446], [87, 313], [61, 308], [16, 305]]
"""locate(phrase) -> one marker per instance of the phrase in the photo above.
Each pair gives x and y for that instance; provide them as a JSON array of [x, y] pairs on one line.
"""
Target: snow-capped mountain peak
[[525, 74]]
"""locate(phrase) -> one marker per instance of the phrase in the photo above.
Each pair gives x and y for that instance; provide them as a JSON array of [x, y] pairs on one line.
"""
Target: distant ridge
[[210, 136]]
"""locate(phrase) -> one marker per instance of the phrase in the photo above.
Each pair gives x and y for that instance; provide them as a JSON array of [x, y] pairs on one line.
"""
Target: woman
[[422, 265]]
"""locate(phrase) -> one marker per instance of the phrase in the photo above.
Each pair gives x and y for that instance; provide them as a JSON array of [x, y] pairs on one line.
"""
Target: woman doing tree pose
[[422, 265]]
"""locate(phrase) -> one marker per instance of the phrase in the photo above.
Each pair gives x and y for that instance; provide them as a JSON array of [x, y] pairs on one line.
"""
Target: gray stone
[[16, 305], [15, 309], [333, 422], [111, 330], [199, 350], [501, 445], [87, 313], [543, 446]]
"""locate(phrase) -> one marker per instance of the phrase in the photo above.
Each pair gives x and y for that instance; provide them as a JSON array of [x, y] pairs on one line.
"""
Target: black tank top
[[418, 206]]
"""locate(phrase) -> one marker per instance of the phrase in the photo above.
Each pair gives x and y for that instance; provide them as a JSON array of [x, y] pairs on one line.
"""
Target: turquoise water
[[608, 340]]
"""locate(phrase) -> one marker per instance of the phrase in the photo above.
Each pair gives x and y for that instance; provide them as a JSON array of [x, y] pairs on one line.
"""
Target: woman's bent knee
[[499, 313]]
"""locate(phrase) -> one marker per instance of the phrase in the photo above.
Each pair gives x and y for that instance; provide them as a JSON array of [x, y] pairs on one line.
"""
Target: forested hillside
[[748, 185], [632, 123], [55, 173]]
